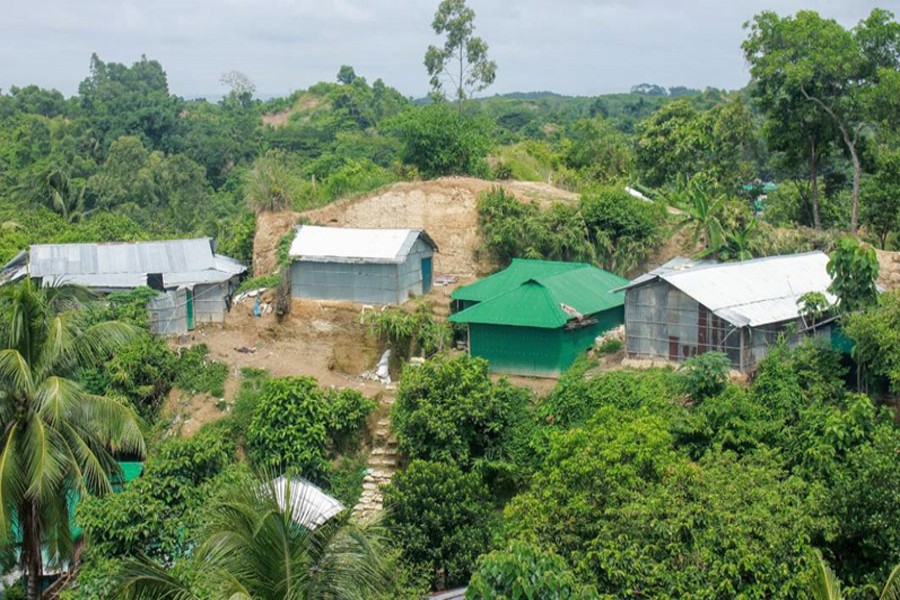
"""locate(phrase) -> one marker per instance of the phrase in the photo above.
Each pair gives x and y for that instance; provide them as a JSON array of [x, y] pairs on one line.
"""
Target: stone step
[[384, 451]]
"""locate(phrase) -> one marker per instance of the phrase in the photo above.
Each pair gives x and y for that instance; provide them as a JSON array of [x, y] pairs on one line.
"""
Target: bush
[[524, 570], [196, 374], [252, 385], [410, 332], [623, 229], [345, 481], [439, 517], [347, 413], [705, 375], [263, 281], [438, 141], [289, 429], [610, 346], [449, 409], [143, 371], [152, 514]]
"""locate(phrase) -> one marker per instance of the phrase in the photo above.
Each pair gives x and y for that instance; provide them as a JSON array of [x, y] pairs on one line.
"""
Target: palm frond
[[43, 453], [892, 587], [146, 580], [15, 371], [12, 487], [825, 584]]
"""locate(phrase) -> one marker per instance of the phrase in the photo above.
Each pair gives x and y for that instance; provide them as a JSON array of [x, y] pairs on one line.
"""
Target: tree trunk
[[814, 182], [31, 548], [857, 168]]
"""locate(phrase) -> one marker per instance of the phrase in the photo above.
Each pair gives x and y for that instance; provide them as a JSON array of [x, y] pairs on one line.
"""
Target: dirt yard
[[445, 208]]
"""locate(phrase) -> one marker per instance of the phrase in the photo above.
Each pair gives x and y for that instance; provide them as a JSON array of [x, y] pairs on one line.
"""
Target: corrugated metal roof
[[517, 273], [755, 292], [309, 505], [126, 265], [550, 301], [350, 245], [679, 263]]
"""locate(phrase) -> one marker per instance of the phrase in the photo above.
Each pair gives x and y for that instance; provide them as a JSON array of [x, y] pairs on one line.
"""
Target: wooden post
[[742, 350]]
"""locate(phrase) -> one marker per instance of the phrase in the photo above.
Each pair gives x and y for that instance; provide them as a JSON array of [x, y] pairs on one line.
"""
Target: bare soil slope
[[446, 208], [889, 269]]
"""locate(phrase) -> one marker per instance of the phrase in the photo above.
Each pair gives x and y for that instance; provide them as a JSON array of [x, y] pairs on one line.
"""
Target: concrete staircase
[[384, 460]]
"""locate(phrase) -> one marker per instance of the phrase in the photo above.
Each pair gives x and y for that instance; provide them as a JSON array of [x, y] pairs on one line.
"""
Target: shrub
[[705, 375], [143, 371], [345, 481], [196, 374], [152, 514], [438, 141], [439, 517], [410, 332], [449, 409], [524, 570], [289, 429], [610, 346], [623, 229], [263, 281], [347, 413], [245, 401]]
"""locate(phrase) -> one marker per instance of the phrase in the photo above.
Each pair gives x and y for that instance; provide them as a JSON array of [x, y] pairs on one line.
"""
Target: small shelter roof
[[126, 264], [752, 292], [351, 245], [550, 300], [309, 505]]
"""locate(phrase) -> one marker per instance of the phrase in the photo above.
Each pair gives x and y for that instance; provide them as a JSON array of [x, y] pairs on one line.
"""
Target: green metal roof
[[130, 472], [540, 301], [517, 273]]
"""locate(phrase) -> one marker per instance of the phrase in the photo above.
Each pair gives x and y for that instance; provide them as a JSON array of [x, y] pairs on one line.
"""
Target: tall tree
[[831, 67], [57, 438], [462, 60]]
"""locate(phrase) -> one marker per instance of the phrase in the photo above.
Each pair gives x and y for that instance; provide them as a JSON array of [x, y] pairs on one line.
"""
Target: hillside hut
[[536, 317], [194, 282], [374, 266], [685, 308]]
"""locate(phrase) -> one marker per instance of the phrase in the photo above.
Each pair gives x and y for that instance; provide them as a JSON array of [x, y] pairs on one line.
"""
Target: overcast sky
[[576, 47]]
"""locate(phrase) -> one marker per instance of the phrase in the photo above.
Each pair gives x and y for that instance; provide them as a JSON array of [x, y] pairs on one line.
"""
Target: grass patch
[[197, 374]]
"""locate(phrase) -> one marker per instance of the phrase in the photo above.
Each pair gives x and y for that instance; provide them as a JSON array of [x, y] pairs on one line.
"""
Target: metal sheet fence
[[676, 333]]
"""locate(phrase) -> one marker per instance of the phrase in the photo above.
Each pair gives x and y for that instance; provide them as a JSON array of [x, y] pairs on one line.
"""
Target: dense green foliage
[[614, 484], [449, 410], [58, 438], [876, 334], [854, 270], [153, 515], [525, 571], [253, 545], [608, 227], [290, 423], [289, 429], [439, 516]]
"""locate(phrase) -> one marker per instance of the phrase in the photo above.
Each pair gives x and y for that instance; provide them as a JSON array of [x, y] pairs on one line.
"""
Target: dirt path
[[383, 462]]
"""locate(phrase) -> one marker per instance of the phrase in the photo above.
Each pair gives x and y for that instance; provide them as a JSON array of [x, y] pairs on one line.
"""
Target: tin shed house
[[685, 308], [375, 266], [196, 283], [536, 317]]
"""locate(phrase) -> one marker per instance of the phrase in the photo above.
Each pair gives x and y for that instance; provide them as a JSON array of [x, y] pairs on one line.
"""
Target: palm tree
[[56, 438], [258, 545], [826, 585], [739, 243], [701, 208]]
